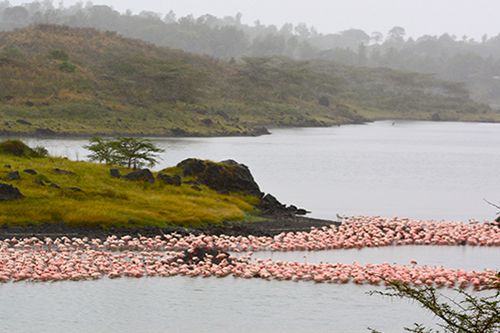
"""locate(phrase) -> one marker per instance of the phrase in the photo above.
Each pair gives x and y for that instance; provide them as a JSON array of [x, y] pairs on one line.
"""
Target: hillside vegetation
[[69, 81], [83, 194], [476, 62]]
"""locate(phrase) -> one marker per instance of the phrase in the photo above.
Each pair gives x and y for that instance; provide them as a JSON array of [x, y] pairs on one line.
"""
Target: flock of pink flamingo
[[60, 259]]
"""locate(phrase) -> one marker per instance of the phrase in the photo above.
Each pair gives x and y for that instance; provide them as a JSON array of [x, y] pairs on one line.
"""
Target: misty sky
[[460, 17]]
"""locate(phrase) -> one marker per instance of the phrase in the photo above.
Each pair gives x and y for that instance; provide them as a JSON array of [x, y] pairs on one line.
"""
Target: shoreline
[[271, 226], [259, 130]]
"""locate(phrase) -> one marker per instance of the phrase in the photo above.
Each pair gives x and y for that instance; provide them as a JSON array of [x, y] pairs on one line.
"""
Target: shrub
[[58, 54], [67, 66], [19, 148]]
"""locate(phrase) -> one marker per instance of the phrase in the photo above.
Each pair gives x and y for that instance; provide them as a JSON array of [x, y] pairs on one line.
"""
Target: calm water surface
[[415, 169]]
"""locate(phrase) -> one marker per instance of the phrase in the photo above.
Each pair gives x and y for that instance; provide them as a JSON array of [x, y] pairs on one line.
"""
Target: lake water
[[415, 169]]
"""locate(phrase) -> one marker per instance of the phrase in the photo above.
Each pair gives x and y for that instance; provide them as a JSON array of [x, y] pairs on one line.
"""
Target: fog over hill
[[454, 56]]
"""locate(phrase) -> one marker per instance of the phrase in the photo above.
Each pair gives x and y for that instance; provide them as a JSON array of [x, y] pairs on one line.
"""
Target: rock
[[115, 173], [260, 131], [23, 122], [192, 167], [178, 132], [170, 180], [58, 171], [141, 175], [207, 122], [324, 101], [13, 176], [9, 193], [301, 211], [44, 132], [270, 205], [224, 177], [30, 172], [54, 185], [197, 254], [75, 189], [38, 182], [7, 166]]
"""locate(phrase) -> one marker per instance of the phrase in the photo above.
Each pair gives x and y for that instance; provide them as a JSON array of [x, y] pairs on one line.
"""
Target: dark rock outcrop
[[44, 132], [58, 171], [30, 172], [9, 193], [141, 175], [269, 205], [14, 175], [115, 173], [170, 180], [224, 177]]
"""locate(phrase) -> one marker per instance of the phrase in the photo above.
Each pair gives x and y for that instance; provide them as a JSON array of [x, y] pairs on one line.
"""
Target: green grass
[[109, 202]]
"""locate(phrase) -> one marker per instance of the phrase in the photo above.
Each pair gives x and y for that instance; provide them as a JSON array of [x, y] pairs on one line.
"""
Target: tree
[[101, 151], [129, 152], [397, 34], [470, 314]]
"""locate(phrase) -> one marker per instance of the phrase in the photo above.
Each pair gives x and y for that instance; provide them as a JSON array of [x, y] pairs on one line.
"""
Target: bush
[[58, 54], [19, 148], [67, 66]]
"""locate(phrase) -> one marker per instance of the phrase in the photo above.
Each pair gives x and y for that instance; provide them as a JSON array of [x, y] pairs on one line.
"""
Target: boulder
[[58, 171], [9, 193], [7, 166], [14, 175], [115, 173], [141, 175], [269, 205], [30, 172], [224, 177], [170, 180]]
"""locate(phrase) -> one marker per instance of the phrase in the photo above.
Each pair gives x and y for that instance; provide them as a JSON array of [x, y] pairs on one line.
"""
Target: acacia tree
[[129, 152], [135, 153], [469, 314]]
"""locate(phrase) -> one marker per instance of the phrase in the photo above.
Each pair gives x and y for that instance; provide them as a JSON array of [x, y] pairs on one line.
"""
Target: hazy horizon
[[456, 17]]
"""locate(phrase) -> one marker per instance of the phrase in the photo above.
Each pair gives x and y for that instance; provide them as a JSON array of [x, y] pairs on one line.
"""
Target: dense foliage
[[128, 152], [453, 58]]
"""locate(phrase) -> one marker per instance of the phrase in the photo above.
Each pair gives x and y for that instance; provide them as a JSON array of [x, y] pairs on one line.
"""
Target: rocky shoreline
[[270, 226]]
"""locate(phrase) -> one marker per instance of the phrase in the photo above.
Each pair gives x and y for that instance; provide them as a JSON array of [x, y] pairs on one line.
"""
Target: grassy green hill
[[60, 80], [84, 194]]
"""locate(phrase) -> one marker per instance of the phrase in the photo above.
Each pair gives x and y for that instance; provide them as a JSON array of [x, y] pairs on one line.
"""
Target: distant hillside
[[60, 80]]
